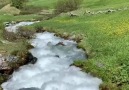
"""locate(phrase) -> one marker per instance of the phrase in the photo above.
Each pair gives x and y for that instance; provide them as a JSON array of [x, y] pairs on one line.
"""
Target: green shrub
[[38, 28], [67, 5], [18, 3]]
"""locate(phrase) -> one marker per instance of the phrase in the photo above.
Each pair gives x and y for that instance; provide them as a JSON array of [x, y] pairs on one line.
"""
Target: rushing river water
[[53, 70]]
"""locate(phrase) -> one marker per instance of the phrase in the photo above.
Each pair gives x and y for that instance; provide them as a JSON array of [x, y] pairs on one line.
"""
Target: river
[[53, 70]]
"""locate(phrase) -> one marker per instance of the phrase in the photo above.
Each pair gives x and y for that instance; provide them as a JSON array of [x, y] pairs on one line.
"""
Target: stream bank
[[55, 55]]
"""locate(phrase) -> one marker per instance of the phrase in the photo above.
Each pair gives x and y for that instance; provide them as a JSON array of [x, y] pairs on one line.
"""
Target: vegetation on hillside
[[105, 35], [18, 3], [67, 5]]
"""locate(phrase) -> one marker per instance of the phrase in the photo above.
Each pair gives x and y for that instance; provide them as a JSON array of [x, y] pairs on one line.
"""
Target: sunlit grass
[[105, 39]]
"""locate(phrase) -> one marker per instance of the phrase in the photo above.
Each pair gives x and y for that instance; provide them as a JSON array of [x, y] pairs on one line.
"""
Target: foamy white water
[[14, 27], [52, 71]]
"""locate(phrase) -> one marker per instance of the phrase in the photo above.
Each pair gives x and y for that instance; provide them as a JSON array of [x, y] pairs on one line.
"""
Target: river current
[[53, 69]]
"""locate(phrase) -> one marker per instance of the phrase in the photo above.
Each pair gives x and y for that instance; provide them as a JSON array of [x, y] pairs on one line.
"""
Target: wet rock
[[57, 56], [60, 43], [30, 59]]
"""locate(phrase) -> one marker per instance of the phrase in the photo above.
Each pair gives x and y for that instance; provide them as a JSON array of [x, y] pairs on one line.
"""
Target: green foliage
[[67, 5], [39, 28], [18, 3], [120, 75]]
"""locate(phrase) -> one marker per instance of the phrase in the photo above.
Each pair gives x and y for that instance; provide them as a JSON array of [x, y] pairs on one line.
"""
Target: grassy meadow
[[105, 37]]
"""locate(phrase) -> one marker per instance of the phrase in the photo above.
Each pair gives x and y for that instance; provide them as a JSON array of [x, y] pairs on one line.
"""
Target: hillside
[[103, 26]]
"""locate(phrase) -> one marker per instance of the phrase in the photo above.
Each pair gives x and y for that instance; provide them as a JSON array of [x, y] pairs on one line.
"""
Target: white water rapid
[[14, 27], [53, 70]]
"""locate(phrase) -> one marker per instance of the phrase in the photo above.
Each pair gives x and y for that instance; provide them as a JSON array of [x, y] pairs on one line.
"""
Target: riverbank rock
[[60, 43], [4, 66]]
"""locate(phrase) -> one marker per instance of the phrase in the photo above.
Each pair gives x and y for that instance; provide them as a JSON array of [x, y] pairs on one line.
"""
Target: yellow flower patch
[[121, 29]]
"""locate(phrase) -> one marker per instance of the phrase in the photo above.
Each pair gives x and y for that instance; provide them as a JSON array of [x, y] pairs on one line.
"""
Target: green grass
[[89, 4], [106, 42], [19, 45], [104, 4], [42, 3], [105, 37]]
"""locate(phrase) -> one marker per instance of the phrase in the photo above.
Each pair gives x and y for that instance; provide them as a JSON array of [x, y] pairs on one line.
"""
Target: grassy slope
[[42, 3], [92, 4], [13, 45], [4, 2], [106, 39], [104, 4]]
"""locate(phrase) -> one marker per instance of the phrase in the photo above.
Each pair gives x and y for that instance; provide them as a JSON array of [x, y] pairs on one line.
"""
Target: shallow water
[[14, 27], [53, 70]]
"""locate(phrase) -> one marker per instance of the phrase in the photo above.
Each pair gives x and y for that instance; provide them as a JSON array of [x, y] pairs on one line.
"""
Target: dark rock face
[[57, 56], [30, 59], [60, 43]]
